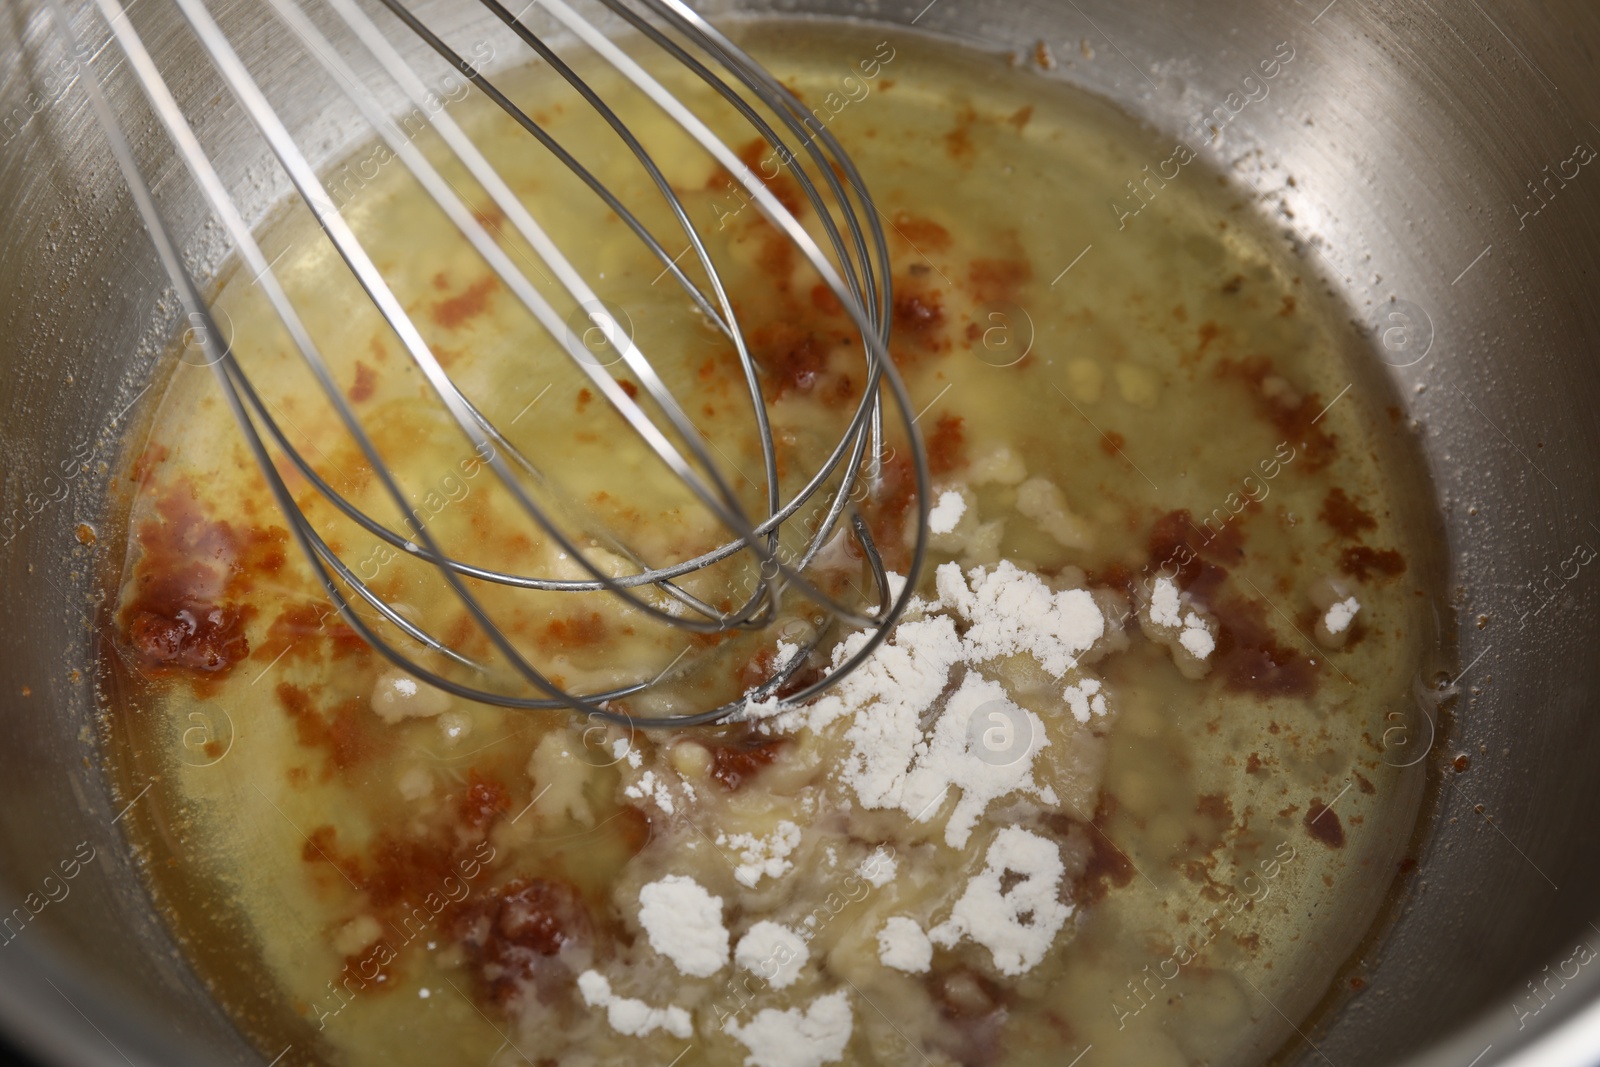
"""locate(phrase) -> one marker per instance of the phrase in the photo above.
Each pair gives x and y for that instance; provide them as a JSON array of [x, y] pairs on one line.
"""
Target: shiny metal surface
[[1433, 155]]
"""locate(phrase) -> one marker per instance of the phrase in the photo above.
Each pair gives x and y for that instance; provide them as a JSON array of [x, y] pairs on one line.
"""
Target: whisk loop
[[850, 258]]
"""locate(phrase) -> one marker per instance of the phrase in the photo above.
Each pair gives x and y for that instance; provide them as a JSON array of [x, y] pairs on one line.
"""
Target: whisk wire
[[630, 353], [857, 287], [470, 227], [777, 516]]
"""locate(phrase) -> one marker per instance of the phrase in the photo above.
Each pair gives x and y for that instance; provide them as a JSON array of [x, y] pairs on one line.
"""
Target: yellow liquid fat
[[365, 875]]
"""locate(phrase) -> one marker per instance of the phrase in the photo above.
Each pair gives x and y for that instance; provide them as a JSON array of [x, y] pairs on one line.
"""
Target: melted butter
[[1245, 826]]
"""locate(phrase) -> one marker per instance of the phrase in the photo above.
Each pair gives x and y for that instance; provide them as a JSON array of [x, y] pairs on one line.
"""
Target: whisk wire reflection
[[856, 274]]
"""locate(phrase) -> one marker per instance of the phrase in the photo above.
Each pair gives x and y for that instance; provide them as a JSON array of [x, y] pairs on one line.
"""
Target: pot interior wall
[[1421, 153]]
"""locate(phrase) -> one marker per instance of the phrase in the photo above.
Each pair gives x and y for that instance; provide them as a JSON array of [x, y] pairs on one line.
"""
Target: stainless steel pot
[[1439, 156]]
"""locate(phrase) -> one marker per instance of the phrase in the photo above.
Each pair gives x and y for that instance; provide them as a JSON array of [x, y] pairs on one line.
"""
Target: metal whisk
[[856, 272]]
